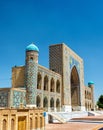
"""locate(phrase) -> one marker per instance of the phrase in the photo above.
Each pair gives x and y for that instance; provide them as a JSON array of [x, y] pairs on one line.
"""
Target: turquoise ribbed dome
[[90, 83], [32, 47]]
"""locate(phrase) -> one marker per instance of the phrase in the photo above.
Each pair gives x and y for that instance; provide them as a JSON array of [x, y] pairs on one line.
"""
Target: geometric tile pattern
[[74, 62], [19, 97], [3, 99], [31, 81]]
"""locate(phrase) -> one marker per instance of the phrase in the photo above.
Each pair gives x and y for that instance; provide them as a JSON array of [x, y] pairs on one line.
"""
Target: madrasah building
[[59, 88]]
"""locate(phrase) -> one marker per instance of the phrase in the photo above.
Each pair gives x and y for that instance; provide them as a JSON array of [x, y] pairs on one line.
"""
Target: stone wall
[[21, 119], [18, 77]]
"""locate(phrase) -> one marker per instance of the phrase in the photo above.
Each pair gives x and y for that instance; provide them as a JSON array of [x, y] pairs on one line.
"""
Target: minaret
[[91, 85], [31, 74]]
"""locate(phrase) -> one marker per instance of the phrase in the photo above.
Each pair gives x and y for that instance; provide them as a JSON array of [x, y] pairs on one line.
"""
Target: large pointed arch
[[75, 89]]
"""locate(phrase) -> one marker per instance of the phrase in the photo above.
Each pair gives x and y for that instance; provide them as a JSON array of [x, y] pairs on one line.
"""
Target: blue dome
[[32, 47], [90, 83]]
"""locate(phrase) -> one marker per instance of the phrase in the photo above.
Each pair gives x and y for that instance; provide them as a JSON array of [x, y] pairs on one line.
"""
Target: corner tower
[[31, 62]]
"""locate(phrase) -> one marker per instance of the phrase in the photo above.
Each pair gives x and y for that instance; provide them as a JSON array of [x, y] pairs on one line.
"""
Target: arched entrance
[[75, 89]]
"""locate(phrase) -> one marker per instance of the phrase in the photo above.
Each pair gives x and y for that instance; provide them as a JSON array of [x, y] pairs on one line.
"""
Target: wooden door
[[22, 123]]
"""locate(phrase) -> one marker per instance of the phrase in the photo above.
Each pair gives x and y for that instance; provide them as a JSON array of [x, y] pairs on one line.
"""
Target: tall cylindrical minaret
[[31, 74], [91, 85]]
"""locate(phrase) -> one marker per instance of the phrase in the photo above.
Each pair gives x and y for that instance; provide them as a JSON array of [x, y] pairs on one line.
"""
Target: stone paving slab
[[71, 126]]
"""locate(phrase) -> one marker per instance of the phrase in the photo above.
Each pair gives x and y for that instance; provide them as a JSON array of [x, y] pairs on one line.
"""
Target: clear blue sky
[[78, 23]]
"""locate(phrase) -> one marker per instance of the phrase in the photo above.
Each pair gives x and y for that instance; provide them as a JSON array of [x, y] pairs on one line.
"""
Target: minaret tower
[[31, 62], [91, 85]]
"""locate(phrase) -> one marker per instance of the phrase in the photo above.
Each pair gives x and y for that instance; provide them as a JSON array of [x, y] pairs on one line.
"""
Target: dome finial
[[32, 47], [90, 83]]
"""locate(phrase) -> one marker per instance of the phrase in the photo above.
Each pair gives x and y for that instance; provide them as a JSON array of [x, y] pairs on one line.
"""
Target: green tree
[[100, 101]]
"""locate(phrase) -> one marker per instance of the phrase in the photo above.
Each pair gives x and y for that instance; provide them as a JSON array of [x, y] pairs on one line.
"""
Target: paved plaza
[[72, 126], [92, 124]]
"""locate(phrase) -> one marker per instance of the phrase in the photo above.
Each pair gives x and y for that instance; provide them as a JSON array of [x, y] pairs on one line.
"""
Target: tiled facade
[[70, 66], [18, 98], [5, 97], [60, 88]]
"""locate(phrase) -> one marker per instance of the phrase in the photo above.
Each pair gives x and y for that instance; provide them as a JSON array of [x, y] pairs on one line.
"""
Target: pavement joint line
[[86, 121]]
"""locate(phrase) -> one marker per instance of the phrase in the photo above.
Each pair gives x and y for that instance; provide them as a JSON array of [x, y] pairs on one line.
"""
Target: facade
[[59, 88], [21, 119]]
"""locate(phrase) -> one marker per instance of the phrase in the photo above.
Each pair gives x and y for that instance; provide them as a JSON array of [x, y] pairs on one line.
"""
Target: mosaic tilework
[[74, 62], [31, 81], [19, 97], [3, 99]]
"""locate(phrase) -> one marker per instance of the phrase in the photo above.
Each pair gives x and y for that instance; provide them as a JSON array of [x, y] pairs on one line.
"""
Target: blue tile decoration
[[4, 99], [73, 62], [31, 81], [18, 98], [32, 47]]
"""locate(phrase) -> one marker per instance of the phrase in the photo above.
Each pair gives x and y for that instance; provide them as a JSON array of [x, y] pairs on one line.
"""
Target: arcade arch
[[39, 81], [38, 101], [75, 89], [58, 86], [52, 103], [46, 83], [45, 103], [58, 104], [52, 85]]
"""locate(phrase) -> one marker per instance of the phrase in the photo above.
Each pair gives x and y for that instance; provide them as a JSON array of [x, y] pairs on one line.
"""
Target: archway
[[86, 106], [12, 124], [4, 125], [39, 80], [58, 105], [31, 124], [58, 86], [52, 85], [75, 89], [52, 104], [38, 101], [45, 103], [46, 83]]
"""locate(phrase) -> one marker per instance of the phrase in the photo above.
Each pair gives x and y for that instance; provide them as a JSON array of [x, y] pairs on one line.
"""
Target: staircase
[[64, 117], [57, 117]]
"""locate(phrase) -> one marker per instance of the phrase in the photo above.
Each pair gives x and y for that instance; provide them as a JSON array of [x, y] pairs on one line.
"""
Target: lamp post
[[44, 114]]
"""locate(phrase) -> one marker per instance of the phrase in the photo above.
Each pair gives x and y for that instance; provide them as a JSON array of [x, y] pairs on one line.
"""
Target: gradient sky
[[77, 23]]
